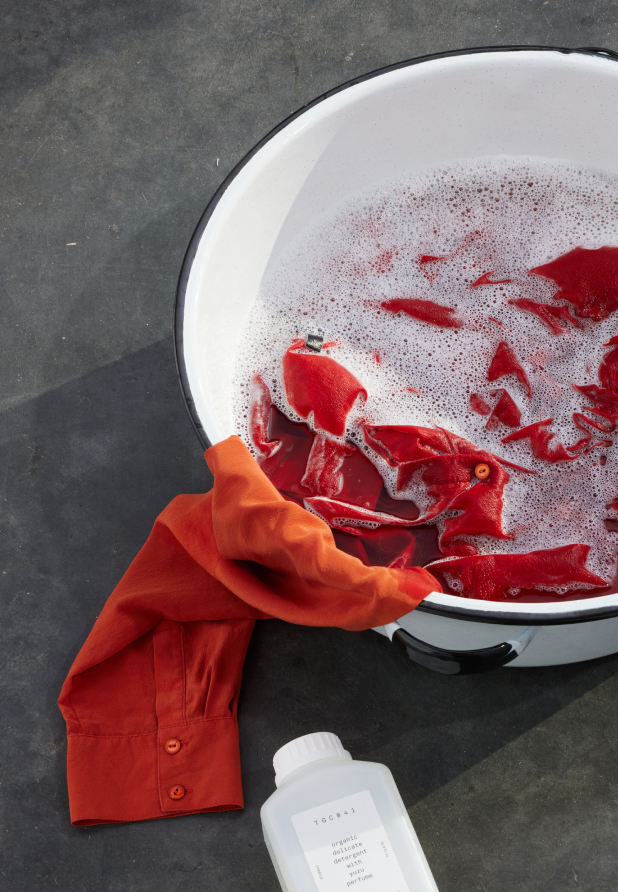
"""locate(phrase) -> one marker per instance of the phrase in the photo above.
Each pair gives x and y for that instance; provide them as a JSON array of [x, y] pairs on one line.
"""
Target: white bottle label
[[346, 846]]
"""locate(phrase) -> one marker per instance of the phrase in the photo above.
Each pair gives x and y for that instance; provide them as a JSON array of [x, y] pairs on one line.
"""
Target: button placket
[[170, 704]]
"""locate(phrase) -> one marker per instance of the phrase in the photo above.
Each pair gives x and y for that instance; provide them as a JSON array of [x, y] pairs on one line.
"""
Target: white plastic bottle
[[334, 824]]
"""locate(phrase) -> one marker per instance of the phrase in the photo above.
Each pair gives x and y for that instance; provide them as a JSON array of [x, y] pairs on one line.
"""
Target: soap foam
[[502, 216]]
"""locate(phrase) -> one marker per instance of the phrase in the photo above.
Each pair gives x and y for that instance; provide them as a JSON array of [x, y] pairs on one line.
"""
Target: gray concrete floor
[[118, 121]]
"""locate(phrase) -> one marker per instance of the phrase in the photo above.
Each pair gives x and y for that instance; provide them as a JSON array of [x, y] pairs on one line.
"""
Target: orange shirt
[[150, 702]]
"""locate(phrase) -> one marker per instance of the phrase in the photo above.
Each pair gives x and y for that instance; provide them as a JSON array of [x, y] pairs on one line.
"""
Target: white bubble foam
[[501, 215]]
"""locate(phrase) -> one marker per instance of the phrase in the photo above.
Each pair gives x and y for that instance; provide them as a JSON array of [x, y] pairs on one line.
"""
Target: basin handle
[[598, 50], [459, 662]]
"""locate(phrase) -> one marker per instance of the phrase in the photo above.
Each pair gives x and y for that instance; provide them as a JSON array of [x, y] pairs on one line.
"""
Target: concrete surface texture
[[119, 120]]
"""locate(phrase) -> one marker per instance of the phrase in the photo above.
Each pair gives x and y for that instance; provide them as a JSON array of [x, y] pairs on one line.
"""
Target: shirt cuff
[[133, 778]]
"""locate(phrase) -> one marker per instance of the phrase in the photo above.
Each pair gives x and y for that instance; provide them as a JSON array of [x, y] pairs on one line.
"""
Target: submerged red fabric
[[164, 659]]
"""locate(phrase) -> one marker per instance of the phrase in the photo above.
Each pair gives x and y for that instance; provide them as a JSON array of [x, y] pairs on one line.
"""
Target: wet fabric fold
[[164, 659]]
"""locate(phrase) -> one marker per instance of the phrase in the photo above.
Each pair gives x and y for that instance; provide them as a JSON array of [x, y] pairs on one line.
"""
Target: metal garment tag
[[346, 846], [314, 342]]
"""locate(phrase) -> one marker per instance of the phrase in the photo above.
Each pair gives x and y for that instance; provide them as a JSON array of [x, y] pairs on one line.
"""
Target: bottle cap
[[307, 749]]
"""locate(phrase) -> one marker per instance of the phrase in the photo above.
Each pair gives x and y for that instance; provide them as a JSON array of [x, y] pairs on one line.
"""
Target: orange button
[[176, 792], [482, 471], [173, 746]]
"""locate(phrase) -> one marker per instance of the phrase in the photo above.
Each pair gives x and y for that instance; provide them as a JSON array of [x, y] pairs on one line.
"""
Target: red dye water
[[361, 487], [335, 479]]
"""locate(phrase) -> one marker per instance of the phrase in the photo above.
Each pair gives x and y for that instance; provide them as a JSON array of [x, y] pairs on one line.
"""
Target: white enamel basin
[[548, 103]]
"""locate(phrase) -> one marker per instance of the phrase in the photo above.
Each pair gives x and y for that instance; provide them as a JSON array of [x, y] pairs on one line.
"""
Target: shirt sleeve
[[151, 699]]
